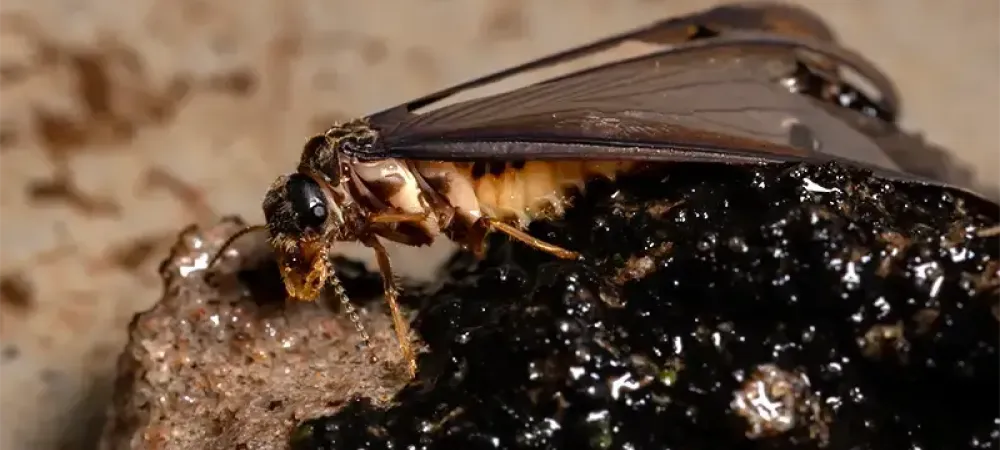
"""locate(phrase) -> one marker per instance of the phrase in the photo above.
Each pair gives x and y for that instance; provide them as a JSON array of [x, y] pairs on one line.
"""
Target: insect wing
[[700, 102], [777, 19]]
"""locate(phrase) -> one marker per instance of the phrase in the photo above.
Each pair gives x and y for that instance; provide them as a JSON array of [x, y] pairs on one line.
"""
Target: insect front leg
[[483, 226], [391, 289]]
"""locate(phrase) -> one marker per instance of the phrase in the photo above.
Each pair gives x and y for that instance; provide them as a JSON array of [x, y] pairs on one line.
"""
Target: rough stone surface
[[122, 122], [221, 362]]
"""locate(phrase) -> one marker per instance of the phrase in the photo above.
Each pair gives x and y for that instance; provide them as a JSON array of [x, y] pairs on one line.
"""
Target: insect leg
[[485, 225], [397, 218], [399, 322]]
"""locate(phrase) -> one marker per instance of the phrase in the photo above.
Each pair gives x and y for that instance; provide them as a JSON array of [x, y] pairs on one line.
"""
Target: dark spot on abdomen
[[478, 170], [495, 168]]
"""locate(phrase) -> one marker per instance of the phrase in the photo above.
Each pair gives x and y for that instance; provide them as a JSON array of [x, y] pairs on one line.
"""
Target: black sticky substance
[[719, 307]]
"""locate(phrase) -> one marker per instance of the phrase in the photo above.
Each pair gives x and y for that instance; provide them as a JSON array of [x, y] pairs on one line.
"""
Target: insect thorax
[[353, 136], [326, 154]]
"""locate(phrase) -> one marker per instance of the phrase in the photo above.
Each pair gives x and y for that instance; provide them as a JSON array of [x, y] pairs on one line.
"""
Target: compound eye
[[308, 202]]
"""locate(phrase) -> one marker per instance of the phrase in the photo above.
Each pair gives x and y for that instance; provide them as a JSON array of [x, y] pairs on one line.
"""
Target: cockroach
[[730, 85]]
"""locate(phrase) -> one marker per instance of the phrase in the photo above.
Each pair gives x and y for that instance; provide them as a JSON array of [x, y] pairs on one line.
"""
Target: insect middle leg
[[399, 323], [482, 227]]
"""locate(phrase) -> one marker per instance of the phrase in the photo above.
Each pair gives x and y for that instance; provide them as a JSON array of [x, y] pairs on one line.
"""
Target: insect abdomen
[[520, 191]]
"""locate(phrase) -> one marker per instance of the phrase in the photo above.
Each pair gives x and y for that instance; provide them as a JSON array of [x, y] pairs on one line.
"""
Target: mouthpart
[[304, 270]]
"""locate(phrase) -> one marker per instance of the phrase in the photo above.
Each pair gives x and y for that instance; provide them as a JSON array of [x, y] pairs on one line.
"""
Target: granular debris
[[784, 307], [222, 363]]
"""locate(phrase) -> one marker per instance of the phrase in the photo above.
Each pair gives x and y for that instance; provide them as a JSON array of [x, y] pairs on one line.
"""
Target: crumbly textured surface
[[222, 362], [790, 307], [123, 122]]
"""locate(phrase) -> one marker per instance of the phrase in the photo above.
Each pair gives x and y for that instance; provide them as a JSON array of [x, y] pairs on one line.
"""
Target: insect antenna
[[229, 242]]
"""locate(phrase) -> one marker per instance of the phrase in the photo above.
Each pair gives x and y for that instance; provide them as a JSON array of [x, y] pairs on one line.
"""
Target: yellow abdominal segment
[[536, 190]]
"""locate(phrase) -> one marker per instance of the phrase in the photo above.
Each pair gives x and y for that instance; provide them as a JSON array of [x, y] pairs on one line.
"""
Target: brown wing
[[911, 151], [707, 101], [771, 18]]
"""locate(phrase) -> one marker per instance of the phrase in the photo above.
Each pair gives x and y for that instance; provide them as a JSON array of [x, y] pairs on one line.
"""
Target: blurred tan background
[[123, 121]]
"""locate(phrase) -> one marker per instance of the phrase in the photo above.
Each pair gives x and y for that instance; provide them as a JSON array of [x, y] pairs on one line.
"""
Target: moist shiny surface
[[719, 307]]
